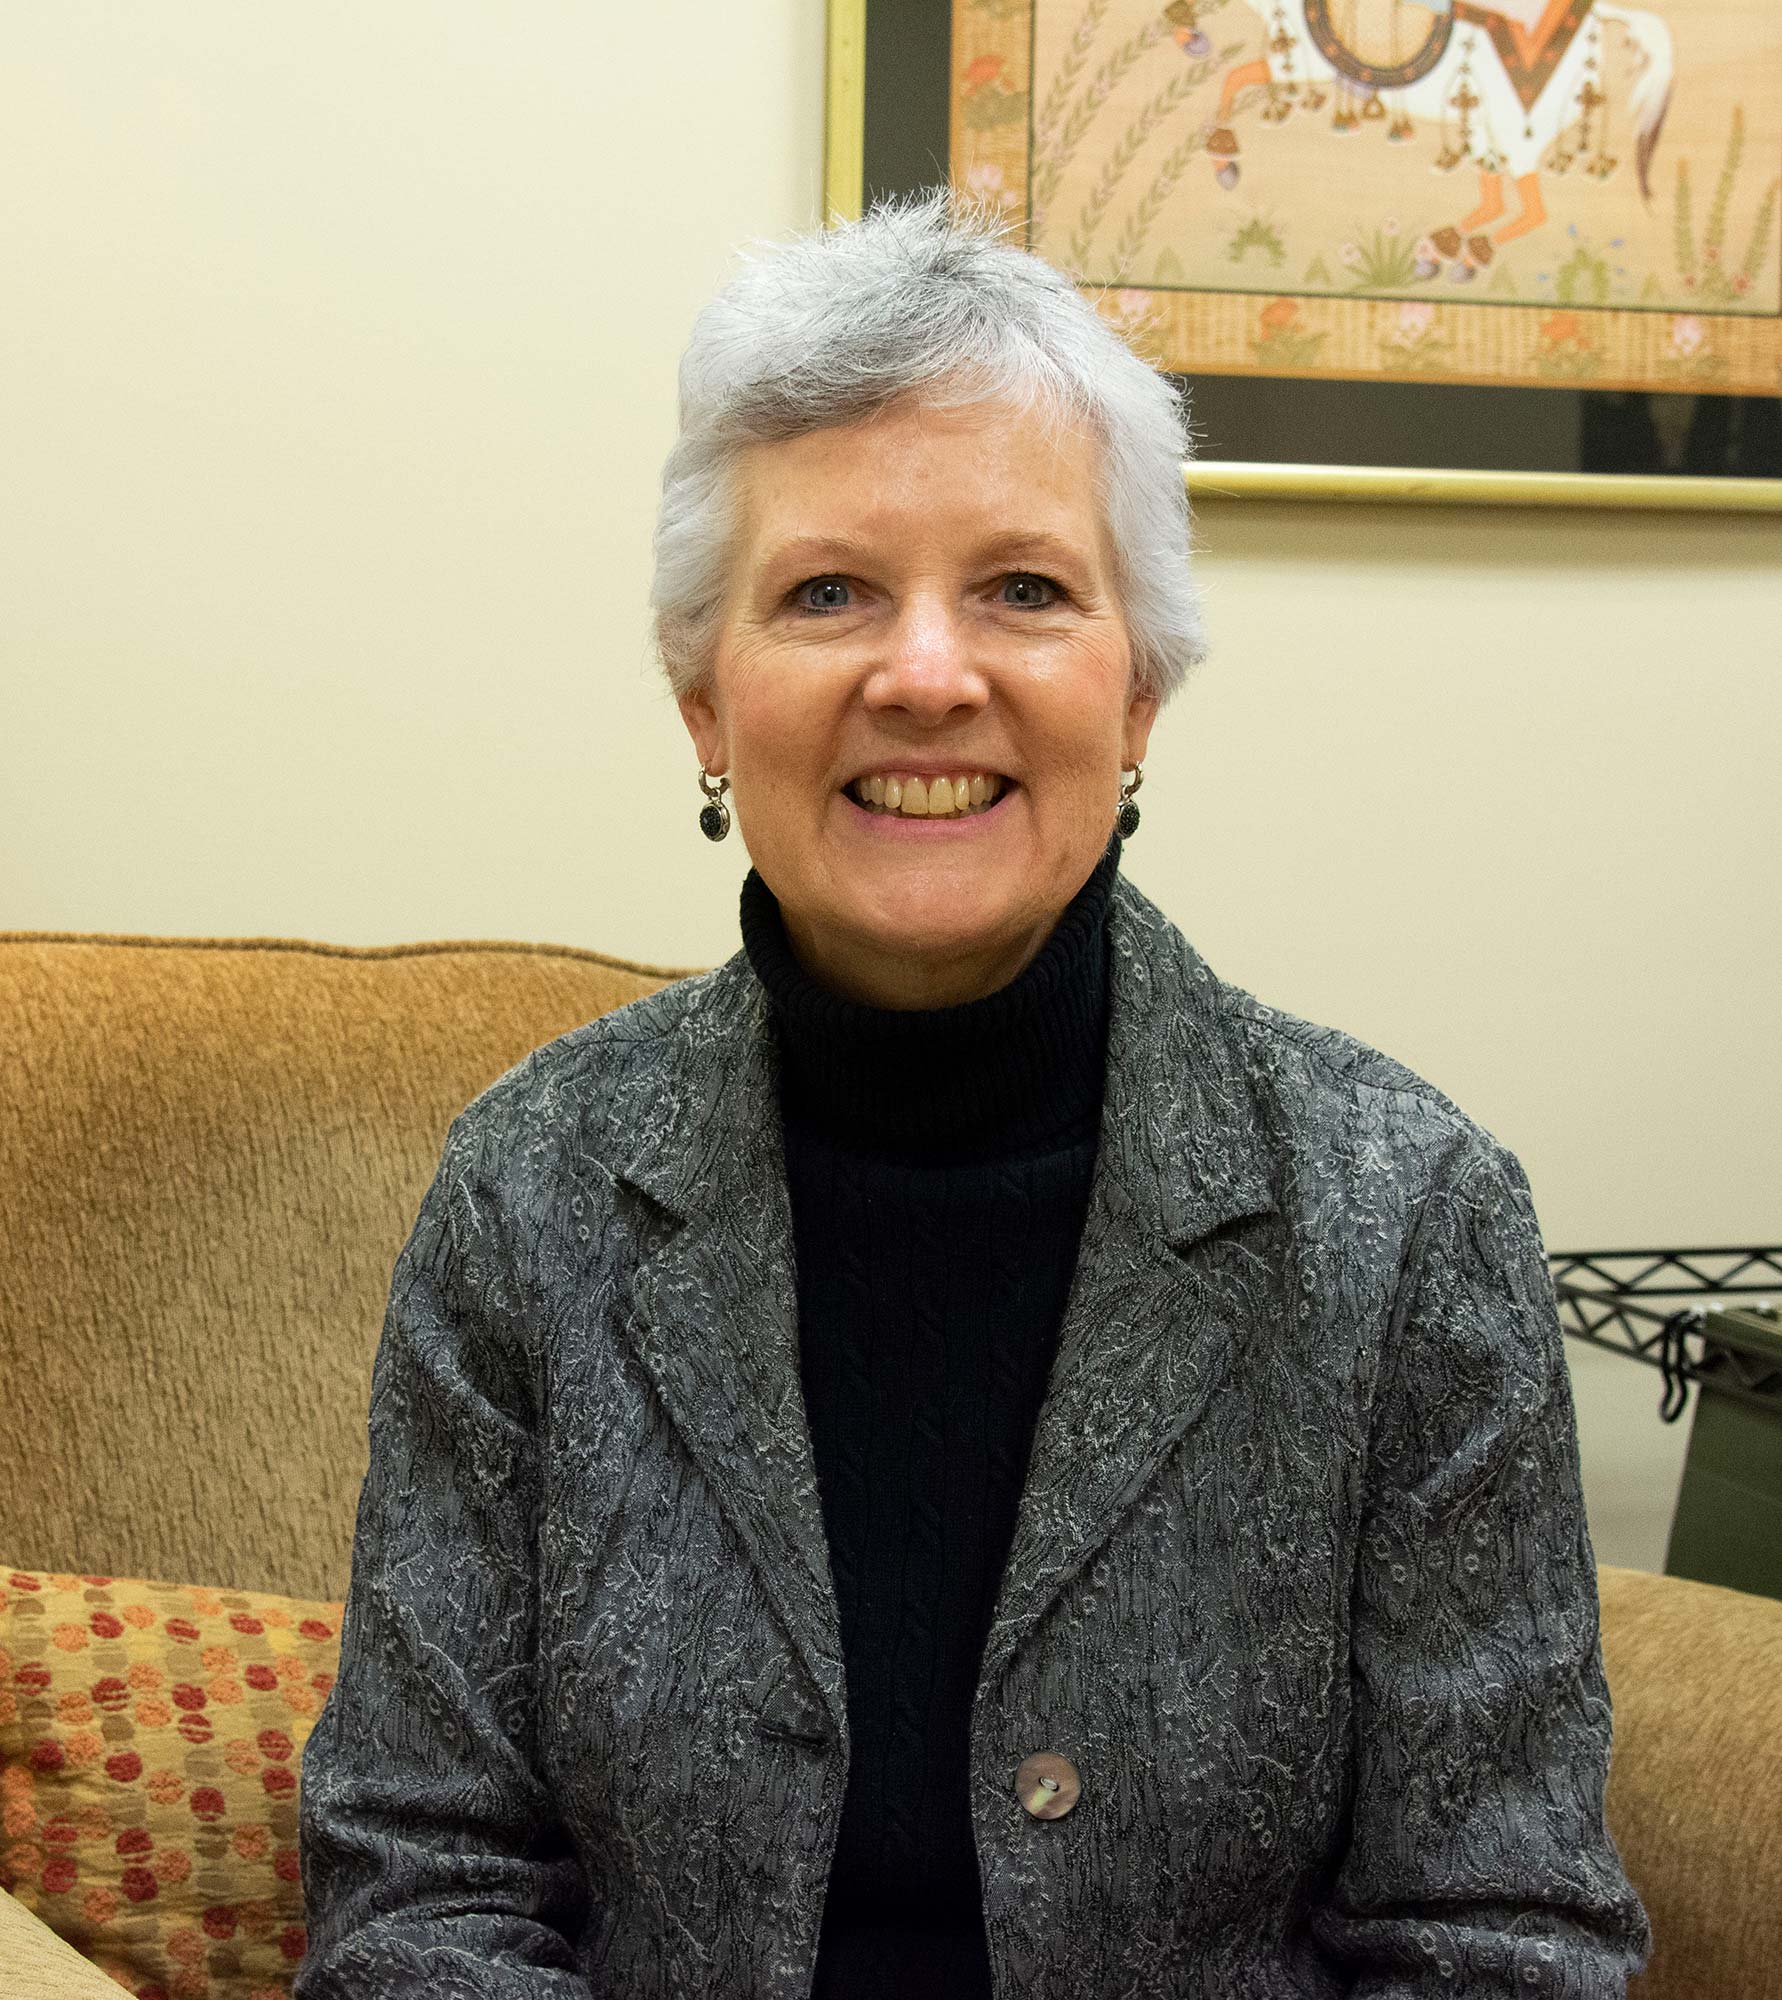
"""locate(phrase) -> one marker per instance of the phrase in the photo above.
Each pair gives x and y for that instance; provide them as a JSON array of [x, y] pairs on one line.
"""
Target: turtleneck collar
[[1019, 1070]]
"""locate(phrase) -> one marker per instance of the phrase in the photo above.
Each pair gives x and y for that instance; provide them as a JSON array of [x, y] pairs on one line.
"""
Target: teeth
[[927, 798]]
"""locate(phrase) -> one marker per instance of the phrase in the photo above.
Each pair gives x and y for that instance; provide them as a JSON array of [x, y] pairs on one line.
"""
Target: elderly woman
[[958, 1453]]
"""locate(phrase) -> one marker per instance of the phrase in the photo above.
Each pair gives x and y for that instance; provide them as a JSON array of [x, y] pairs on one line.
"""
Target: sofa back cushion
[[211, 1152]]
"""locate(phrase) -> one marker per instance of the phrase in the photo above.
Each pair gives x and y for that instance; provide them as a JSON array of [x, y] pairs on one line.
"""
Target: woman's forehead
[[992, 477]]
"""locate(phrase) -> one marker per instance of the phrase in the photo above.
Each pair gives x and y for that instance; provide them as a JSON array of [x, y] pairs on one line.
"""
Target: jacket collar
[[1151, 1319], [1179, 1136]]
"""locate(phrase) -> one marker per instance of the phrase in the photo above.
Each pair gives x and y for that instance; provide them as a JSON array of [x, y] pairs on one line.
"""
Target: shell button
[[1047, 1784]]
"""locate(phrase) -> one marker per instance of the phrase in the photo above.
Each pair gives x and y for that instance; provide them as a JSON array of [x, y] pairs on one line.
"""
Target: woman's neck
[[1018, 1070]]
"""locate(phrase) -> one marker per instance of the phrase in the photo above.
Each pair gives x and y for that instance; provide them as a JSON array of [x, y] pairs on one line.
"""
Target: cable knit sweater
[[938, 1163]]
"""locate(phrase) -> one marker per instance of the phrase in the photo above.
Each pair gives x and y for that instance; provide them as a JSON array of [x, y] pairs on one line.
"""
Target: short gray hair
[[923, 297]]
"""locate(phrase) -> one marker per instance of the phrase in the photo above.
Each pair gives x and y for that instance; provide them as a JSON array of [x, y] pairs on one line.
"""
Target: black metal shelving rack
[[1691, 1315], [1609, 1298]]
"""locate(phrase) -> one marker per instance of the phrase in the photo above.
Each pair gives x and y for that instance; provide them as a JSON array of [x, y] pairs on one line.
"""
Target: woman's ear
[[701, 718], [1141, 712]]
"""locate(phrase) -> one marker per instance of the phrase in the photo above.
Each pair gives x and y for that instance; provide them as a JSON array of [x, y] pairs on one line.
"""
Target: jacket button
[[1047, 1784]]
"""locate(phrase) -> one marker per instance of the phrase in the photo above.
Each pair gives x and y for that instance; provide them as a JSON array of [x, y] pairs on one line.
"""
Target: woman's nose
[[927, 665]]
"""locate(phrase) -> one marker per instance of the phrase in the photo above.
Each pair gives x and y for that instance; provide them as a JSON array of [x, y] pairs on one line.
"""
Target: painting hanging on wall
[[1536, 214]]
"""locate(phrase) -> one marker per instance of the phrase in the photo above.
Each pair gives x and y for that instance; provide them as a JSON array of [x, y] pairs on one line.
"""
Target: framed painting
[[1528, 251]]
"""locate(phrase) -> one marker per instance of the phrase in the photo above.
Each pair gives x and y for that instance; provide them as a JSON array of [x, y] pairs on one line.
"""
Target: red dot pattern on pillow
[[151, 1738]]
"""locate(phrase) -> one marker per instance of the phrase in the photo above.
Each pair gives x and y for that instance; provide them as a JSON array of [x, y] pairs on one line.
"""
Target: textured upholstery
[[1695, 1786], [211, 1151], [36, 1965]]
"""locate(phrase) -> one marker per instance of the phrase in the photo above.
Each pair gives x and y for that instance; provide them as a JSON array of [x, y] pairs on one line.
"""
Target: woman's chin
[[949, 942], [936, 903]]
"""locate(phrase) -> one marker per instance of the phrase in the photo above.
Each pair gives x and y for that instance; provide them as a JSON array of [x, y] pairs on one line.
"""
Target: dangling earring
[[714, 819], [1128, 817]]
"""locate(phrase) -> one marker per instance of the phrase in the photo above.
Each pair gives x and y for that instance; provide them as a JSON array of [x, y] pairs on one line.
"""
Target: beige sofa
[[210, 1153]]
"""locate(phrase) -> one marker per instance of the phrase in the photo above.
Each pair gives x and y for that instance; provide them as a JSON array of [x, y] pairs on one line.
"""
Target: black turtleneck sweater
[[938, 1162]]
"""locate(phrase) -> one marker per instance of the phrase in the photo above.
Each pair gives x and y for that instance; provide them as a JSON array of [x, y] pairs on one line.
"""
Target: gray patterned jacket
[[1301, 1582]]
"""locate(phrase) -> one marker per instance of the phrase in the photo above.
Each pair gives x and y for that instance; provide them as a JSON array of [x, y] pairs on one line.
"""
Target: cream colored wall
[[338, 368], [1496, 791]]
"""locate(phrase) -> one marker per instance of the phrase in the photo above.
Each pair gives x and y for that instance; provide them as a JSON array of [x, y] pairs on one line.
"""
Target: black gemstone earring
[[1128, 817], [714, 817]]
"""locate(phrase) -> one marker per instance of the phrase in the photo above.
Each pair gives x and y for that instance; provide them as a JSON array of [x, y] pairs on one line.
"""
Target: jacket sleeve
[[1479, 1860], [433, 1861]]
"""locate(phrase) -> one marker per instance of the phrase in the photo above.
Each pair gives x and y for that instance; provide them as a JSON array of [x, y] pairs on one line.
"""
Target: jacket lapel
[[1155, 1309], [717, 1320], [1148, 1329]]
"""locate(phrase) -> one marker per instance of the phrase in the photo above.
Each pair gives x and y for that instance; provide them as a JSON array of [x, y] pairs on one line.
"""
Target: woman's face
[[926, 595]]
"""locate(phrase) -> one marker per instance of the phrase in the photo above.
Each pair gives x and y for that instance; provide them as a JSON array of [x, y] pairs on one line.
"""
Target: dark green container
[[1728, 1524]]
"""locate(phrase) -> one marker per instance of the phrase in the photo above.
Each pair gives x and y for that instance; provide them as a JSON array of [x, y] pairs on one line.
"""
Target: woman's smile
[[913, 804]]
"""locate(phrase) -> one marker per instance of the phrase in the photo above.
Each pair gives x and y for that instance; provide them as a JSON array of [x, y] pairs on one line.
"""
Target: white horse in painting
[[1468, 92]]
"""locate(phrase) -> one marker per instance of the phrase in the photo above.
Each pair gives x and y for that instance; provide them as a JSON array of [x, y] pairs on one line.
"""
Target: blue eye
[[1037, 591], [824, 593]]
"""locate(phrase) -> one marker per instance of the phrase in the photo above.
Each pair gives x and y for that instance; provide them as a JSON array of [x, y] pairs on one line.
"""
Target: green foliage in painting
[[1423, 354], [1126, 150], [1257, 234], [1689, 363], [1729, 172], [1566, 350], [1583, 279], [1069, 71], [1281, 341], [984, 110], [1049, 163], [1763, 240], [1143, 219], [1682, 228], [1383, 260], [1704, 269], [1145, 213]]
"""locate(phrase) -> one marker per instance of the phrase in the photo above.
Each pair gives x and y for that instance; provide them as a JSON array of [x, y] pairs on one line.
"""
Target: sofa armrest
[[35, 1964], [1693, 1673]]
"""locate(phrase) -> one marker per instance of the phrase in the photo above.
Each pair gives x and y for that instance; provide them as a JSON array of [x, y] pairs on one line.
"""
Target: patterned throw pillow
[[150, 1738]]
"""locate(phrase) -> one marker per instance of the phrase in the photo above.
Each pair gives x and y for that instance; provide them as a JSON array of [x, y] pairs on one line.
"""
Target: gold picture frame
[[846, 177]]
